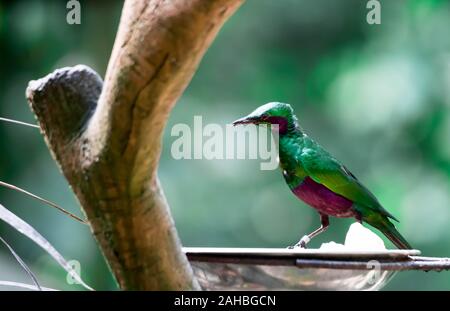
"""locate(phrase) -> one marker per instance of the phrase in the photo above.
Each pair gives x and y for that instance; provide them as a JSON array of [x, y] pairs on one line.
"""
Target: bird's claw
[[302, 243]]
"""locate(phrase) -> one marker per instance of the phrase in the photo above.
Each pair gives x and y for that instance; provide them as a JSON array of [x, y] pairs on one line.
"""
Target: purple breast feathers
[[323, 199]]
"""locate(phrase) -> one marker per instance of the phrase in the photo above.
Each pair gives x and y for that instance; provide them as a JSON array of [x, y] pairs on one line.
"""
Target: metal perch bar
[[414, 263], [391, 260], [303, 269]]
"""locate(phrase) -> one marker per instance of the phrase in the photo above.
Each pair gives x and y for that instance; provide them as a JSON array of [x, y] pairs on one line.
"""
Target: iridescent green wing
[[326, 170]]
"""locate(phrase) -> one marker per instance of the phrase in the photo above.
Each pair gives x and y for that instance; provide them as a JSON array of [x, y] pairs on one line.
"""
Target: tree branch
[[109, 152]]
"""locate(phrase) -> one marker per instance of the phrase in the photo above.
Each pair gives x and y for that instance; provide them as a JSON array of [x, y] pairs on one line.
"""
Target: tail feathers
[[392, 234], [388, 229]]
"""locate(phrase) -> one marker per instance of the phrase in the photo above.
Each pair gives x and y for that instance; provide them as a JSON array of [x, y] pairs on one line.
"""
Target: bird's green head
[[272, 113]]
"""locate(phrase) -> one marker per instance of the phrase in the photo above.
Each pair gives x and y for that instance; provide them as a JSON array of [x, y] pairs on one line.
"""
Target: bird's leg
[[325, 222]]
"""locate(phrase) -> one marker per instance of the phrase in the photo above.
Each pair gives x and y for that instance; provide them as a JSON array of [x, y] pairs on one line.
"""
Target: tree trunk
[[106, 137]]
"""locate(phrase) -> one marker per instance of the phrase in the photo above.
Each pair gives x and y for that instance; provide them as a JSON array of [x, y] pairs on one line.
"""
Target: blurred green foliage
[[376, 96]]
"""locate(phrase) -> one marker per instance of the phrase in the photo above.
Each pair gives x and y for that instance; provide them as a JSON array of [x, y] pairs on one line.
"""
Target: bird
[[319, 179]]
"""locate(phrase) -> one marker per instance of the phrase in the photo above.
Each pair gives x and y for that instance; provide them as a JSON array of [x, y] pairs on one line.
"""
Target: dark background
[[376, 96]]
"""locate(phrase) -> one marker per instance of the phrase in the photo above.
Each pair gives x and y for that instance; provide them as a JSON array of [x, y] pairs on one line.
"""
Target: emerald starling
[[318, 179]]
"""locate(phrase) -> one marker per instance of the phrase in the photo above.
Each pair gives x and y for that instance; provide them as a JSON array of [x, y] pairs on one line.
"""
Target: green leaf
[[25, 286], [27, 230], [23, 264]]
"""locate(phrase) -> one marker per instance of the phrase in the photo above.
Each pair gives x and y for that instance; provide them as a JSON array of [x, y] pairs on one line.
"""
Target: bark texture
[[106, 136]]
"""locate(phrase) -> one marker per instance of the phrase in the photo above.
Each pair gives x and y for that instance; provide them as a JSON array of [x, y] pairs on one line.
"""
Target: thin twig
[[28, 193], [54, 205], [22, 264], [19, 122]]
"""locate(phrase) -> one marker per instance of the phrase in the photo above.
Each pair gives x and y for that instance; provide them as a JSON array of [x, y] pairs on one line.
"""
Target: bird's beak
[[245, 120]]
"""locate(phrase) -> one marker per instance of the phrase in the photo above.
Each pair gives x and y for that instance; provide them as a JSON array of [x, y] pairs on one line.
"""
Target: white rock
[[358, 238], [362, 239], [332, 246]]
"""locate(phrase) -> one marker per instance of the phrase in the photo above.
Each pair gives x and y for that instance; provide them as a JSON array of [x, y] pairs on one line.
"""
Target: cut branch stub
[[63, 101], [107, 140]]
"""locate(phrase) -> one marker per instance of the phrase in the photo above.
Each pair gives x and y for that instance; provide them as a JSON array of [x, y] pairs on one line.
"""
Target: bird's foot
[[302, 243]]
